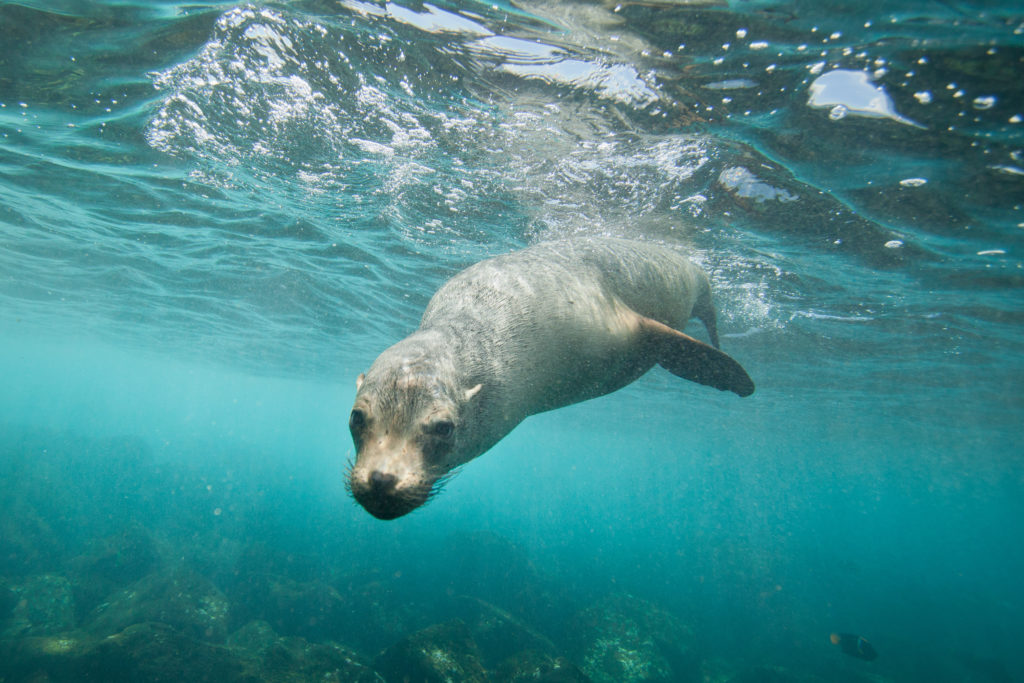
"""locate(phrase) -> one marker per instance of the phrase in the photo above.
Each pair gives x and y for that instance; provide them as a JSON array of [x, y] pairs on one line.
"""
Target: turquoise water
[[214, 216]]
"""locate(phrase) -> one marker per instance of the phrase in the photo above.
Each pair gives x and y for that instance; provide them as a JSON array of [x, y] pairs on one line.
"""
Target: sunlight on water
[[851, 92]]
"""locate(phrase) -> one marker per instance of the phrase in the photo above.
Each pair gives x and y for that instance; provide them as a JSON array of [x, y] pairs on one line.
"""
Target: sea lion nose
[[381, 482], [383, 495]]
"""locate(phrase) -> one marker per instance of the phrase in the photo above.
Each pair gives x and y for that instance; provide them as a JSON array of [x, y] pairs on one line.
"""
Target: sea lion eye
[[356, 420], [442, 428]]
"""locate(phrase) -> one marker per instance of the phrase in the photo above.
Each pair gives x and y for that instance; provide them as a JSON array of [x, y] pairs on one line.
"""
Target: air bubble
[[838, 112]]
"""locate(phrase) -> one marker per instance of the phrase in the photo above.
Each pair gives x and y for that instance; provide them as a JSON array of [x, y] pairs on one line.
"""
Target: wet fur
[[520, 334]]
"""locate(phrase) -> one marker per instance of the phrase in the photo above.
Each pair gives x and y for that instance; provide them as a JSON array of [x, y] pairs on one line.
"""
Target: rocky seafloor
[[111, 570]]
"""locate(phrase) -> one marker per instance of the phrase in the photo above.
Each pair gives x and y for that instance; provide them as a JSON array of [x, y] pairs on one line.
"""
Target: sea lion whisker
[[430, 496], [445, 479], [350, 464], [440, 483]]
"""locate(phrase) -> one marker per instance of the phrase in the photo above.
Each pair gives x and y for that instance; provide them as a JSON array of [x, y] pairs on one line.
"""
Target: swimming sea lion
[[530, 331]]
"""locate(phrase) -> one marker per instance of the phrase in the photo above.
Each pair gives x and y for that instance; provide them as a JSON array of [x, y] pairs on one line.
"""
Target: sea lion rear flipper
[[692, 359], [704, 311]]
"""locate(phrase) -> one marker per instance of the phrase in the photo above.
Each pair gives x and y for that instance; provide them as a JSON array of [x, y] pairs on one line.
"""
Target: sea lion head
[[409, 429]]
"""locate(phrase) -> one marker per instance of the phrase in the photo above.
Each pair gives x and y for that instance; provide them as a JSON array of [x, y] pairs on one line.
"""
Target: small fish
[[854, 645]]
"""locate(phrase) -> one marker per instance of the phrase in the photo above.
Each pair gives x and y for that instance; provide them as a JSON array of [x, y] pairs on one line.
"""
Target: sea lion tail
[[704, 310]]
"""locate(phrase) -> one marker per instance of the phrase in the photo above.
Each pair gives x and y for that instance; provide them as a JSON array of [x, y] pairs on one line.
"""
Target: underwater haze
[[214, 216]]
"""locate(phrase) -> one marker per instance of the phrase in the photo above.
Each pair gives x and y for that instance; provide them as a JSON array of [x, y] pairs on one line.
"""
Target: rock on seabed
[[623, 639], [437, 654]]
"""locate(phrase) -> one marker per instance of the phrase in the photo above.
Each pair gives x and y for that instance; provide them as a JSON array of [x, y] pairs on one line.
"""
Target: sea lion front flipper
[[692, 359]]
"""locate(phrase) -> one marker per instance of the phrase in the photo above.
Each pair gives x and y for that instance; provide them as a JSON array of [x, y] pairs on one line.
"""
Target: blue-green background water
[[214, 216]]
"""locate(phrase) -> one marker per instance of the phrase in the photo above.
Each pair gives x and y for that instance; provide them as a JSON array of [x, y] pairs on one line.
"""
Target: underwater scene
[[215, 217]]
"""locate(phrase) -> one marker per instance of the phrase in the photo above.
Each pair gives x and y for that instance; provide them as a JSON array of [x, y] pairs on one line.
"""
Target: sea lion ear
[[359, 380], [470, 393]]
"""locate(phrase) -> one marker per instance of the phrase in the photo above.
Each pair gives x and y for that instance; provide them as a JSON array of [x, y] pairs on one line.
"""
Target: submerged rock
[[111, 563], [368, 610], [147, 652], [153, 652], [496, 570], [498, 634], [179, 598], [778, 674], [120, 558], [295, 659], [530, 666], [156, 652], [622, 639], [719, 670], [439, 653], [37, 606], [253, 639], [382, 608], [311, 609], [279, 659], [28, 543], [50, 659]]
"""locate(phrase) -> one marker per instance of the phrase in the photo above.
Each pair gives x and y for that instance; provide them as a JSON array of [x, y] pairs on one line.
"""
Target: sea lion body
[[519, 334]]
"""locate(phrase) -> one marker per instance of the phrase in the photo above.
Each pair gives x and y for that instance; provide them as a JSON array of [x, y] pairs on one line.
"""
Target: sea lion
[[519, 334]]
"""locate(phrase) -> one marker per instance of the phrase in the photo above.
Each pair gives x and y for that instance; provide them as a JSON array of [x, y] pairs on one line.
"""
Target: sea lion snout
[[382, 483], [383, 497]]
